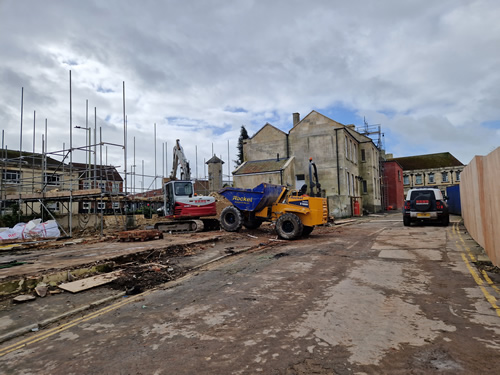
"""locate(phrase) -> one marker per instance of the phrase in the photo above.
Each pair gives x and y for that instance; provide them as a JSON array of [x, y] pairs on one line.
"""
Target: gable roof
[[316, 113], [429, 161], [261, 166], [29, 159], [267, 125], [109, 172]]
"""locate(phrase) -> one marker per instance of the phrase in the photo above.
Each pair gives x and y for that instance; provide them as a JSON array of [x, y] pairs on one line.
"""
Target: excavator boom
[[184, 210], [179, 159]]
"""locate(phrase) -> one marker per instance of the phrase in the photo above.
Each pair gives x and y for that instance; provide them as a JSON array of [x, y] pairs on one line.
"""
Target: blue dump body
[[454, 203], [252, 200]]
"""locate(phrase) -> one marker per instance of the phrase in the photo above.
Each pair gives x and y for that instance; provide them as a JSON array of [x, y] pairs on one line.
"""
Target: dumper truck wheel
[[231, 219], [307, 231], [252, 223], [289, 226]]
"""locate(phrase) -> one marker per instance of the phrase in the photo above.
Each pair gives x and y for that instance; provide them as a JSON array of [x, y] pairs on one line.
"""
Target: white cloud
[[416, 67]]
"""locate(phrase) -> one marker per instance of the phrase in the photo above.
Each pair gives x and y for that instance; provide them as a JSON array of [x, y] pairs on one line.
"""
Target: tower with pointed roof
[[214, 173]]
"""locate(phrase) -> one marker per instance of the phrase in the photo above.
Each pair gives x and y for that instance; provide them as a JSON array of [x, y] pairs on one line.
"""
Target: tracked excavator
[[184, 210]]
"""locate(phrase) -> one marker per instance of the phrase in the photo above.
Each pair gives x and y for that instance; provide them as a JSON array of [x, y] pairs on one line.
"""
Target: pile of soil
[[139, 278]]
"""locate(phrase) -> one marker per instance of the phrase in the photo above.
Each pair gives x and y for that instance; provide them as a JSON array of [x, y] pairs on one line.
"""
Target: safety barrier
[[480, 197]]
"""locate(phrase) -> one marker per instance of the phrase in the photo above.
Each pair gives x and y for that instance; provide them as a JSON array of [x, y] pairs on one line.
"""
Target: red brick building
[[393, 185]]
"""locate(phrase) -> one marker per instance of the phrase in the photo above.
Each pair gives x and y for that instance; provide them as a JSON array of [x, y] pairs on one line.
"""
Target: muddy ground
[[370, 297]]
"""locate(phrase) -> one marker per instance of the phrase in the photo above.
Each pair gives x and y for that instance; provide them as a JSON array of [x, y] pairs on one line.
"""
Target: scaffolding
[[41, 183], [373, 131]]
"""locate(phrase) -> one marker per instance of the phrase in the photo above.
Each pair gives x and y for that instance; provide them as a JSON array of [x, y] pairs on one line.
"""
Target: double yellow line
[[466, 252], [53, 331]]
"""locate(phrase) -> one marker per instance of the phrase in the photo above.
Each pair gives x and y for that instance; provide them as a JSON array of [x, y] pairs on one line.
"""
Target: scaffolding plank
[[90, 282], [54, 194]]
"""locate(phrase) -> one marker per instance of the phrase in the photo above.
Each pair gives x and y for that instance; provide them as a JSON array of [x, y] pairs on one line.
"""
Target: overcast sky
[[427, 71]]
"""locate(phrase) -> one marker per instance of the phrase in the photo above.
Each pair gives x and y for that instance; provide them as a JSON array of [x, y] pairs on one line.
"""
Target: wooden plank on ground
[[90, 282], [340, 222]]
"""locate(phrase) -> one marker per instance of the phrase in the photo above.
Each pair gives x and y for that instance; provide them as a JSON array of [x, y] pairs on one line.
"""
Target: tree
[[243, 136]]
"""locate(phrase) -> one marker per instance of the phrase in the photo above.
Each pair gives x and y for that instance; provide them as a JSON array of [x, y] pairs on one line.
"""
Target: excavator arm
[[180, 159]]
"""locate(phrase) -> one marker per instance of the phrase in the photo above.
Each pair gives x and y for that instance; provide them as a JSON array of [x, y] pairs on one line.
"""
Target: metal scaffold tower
[[373, 131]]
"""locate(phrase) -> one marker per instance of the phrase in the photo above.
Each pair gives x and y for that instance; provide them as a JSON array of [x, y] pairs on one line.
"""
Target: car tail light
[[407, 205], [439, 205]]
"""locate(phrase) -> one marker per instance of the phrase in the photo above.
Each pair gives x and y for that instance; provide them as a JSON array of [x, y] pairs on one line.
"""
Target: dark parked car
[[425, 204]]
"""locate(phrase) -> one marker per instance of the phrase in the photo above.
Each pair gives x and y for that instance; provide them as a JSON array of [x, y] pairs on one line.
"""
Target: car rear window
[[426, 194]]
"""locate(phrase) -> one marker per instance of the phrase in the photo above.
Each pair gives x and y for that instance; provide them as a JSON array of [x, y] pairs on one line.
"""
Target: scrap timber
[[140, 235]]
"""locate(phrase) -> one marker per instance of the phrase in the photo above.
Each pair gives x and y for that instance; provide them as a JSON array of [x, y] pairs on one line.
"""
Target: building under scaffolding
[[39, 185], [50, 184]]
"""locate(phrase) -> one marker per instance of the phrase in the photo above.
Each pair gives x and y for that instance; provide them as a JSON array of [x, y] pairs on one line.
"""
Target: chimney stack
[[296, 118]]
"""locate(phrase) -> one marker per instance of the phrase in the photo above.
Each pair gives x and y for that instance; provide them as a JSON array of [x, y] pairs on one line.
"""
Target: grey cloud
[[431, 65]]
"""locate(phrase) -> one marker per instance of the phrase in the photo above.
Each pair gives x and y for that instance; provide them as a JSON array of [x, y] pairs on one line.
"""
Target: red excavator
[[184, 210]]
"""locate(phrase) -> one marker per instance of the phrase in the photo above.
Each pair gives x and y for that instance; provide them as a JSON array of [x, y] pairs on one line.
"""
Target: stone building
[[279, 171], [348, 162], [214, 173], [28, 172], [37, 181], [32, 173], [441, 170]]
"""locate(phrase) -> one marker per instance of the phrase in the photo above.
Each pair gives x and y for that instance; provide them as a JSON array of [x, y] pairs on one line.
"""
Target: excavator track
[[188, 226], [180, 226]]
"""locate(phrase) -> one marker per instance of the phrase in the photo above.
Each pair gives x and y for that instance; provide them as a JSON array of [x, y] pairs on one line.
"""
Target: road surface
[[371, 297]]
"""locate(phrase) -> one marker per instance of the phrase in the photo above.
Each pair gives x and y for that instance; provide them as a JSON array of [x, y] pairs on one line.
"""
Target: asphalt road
[[372, 297]]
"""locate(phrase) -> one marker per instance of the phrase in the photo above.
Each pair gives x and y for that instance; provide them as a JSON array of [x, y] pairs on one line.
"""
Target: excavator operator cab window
[[183, 188]]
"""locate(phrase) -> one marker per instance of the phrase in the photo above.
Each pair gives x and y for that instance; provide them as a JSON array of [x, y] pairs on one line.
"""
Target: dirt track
[[373, 297]]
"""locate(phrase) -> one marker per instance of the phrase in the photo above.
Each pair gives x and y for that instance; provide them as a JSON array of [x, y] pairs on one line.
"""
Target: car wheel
[[406, 221], [231, 219], [446, 221], [289, 226]]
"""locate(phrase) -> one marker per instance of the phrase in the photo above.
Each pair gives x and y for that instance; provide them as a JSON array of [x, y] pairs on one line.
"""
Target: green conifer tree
[[243, 136]]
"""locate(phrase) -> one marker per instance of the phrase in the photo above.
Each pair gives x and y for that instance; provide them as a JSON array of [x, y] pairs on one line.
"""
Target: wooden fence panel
[[480, 196]]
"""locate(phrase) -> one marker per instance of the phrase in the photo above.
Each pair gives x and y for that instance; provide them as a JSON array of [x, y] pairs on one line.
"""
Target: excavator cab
[[176, 191], [183, 188], [184, 210]]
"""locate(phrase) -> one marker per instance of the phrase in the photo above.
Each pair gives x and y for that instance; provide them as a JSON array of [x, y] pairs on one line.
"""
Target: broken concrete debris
[[23, 298], [41, 289]]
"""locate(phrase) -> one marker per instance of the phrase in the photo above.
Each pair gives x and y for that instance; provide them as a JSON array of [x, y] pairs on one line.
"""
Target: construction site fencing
[[480, 198]]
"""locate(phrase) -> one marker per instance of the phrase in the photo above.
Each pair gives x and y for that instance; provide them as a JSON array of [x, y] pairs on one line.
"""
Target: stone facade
[[35, 175], [39, 175], [438, 170], [267, 143], [348, 162], [214, 173], [253, 173]]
